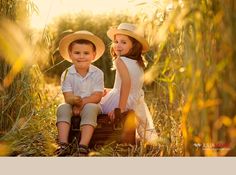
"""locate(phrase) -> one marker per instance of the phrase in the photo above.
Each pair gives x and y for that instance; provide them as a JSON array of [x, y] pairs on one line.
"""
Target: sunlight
[[189, 88], [4, 149], [48, 9], [14, 48]]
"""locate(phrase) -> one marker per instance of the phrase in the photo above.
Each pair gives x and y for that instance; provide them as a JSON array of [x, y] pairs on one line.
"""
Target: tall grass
[[194, 60], [13, 85], [190, 85], [23, 103], [34, 134]]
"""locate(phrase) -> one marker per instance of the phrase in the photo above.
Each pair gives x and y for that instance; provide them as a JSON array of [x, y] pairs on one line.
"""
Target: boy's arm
[[78, 103], [71, 99], [95, 97], [66, 87], [98, 88]]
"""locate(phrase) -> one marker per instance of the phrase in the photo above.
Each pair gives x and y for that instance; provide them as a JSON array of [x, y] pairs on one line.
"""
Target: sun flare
[[48, 9]]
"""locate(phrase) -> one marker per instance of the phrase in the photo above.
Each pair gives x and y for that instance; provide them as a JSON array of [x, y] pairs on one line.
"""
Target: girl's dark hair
[[134, 53], [81, 41]]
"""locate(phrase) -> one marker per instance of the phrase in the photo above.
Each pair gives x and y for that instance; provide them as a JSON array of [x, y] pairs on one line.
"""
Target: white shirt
[[135, 99], [71, 81]]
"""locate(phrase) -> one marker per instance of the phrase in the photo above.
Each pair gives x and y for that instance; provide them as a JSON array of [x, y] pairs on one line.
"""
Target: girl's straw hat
[[83, 34], [130, 30]]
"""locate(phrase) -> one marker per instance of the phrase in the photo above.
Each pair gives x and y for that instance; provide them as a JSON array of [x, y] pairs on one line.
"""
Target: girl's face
[[82, 55], [122, 44]]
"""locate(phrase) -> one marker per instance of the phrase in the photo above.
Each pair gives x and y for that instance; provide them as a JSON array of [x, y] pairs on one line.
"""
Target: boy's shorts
[[88, 114]]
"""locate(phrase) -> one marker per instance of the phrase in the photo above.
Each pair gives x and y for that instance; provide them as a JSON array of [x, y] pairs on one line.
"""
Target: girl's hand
[[122, 110], [106, 91], [111, 115]]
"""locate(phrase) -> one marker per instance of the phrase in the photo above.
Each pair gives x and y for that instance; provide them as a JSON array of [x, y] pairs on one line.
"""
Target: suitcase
[[121, 130]]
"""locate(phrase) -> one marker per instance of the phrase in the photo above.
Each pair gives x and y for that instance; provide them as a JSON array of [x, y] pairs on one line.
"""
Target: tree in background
[[98, 24]]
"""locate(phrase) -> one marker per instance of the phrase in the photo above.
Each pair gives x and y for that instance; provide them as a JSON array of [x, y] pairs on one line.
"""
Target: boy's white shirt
[[71, 81]]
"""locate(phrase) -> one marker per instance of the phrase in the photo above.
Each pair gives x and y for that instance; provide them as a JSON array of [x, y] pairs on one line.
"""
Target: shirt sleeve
[[66, 82], [98, 82]]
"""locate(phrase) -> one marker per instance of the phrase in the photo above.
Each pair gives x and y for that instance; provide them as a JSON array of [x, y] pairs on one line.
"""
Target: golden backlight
[[48, 9]]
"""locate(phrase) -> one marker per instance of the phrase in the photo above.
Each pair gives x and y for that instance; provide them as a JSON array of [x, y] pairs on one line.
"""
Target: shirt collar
[[73, 71]]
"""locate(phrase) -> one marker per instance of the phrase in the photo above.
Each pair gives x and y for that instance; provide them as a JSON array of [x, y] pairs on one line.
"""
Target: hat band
[[134, 33]]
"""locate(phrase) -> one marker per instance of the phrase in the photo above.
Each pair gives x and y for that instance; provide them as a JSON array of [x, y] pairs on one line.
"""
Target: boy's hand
[[78, 101], [76, 110], [78, 105]]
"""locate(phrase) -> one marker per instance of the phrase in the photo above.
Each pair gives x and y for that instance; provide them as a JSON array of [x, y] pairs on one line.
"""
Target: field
[[190, 84]]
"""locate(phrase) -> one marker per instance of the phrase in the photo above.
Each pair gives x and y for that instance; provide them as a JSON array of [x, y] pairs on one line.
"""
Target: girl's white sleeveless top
[[136, 95]]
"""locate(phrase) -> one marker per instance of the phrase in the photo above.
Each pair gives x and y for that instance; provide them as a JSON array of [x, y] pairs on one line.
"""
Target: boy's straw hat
[[130, 30], [83, 34]]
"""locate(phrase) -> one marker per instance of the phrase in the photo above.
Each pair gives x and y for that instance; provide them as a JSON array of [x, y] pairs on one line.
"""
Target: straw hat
[[83, 34], [130, 30]]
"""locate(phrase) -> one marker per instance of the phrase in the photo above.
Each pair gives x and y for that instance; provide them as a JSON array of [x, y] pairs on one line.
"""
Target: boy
[[82, 87]]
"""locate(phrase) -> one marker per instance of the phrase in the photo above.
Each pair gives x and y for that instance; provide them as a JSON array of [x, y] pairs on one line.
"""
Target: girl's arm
[[125, 83]]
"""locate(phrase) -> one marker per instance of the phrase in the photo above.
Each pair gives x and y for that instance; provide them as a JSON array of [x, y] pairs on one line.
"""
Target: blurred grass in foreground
[[193, 73], [190, 89]]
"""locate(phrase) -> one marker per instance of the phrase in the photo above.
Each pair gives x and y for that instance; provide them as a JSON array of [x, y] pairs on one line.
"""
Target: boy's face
[[122, 44], [82, 55]]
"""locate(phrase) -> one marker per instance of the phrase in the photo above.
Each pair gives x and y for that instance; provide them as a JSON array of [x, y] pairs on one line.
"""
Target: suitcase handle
[[118, 123]]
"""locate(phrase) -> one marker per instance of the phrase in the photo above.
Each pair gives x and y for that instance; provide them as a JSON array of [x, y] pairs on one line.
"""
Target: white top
[[136, 96], [71, 81]]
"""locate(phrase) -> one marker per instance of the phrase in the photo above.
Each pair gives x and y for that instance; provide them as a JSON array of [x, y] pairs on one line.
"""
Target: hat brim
[[67, 40], [114, 31]]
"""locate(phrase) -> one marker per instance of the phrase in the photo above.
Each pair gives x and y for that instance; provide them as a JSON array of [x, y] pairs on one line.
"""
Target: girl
[[127, 48]]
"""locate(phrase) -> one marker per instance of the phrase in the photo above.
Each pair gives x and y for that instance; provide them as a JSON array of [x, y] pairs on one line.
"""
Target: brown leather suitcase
[[121, 130]]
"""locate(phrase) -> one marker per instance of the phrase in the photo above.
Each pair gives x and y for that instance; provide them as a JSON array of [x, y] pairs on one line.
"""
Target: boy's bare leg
[[63, 131], [86, 134]]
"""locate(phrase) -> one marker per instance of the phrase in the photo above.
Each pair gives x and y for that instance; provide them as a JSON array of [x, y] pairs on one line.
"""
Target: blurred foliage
[[98, 25], [34, 134], [193, 65], [15, 59], [209, 60], [23, 99], [190, 78]]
